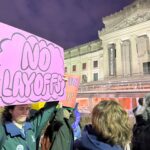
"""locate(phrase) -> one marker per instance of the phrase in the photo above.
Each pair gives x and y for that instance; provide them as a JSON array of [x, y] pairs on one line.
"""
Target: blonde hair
[[111, 121]]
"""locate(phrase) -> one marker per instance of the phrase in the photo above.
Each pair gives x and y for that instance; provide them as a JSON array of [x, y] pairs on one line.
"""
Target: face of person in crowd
[[20, 113]]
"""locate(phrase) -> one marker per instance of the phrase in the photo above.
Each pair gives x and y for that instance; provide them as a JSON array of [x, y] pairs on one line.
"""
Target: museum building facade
[[117, 64]]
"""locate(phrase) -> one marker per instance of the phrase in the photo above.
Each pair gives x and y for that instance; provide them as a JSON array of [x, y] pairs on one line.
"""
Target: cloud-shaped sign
[[31, 69]]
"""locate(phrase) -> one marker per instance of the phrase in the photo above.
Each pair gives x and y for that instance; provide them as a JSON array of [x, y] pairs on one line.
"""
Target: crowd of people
[[58, 128], [141, 129]]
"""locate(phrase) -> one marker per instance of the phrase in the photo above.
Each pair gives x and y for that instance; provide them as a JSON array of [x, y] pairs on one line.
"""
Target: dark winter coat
[[61, 133], [89, 141], [141, 132]]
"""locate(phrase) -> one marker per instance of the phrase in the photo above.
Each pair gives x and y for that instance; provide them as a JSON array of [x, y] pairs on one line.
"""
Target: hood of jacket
[[89, 141]]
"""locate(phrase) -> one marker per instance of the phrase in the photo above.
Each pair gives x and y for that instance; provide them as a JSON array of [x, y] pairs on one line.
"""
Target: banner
[[72, 85], [84, 105], [28, 70], [125, 102], [96, 100]]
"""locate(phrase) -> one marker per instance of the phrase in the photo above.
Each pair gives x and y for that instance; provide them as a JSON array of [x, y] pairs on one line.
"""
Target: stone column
[[90, 62], [148, 35], [106, 60], [101, 66], [134, 56], [89, 75], [118, 58], [77, 61]]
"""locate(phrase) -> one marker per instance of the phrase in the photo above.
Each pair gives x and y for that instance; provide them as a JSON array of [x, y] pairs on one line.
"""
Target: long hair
[[6, 115], [111, 121]]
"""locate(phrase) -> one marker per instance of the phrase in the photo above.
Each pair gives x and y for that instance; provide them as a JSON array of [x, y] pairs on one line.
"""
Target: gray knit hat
[[147, 99]]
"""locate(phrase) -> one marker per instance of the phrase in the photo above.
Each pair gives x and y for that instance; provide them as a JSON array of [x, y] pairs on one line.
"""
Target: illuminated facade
[[118, 63]]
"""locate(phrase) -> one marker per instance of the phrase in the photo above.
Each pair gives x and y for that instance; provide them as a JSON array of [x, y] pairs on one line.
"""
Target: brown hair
[[6, 115], [111, 121]]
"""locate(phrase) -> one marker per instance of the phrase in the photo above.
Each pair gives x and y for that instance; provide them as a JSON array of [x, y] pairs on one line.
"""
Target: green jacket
[[61, 133], [15, 139]]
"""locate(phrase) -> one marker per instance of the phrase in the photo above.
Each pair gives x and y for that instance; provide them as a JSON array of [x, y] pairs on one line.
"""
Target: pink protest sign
[[71, 90], [31, 68]]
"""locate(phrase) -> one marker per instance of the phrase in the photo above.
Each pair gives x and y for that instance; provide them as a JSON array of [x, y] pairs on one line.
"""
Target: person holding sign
[[20, 133], [59, 133], [29, 76]]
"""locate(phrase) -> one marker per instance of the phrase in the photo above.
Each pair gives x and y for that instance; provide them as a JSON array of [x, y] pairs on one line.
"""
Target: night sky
[[67, 23]]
